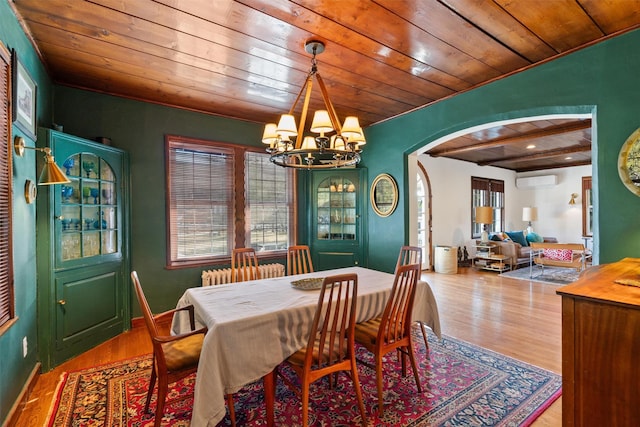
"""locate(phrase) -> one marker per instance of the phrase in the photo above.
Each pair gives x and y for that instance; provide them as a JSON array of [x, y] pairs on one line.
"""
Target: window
[[223, 196], [487, 192], [6, 260]]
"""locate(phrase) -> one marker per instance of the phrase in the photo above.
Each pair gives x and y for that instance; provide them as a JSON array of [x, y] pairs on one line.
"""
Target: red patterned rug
[[463, 385]]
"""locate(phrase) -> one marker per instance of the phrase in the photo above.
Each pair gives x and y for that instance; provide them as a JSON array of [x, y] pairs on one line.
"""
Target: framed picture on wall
[[24, 98]]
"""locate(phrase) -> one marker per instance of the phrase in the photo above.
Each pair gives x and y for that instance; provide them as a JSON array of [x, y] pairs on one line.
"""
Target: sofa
[[515, 245]]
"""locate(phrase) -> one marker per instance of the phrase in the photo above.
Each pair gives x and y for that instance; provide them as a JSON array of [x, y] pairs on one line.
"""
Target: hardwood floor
[[517, 318]]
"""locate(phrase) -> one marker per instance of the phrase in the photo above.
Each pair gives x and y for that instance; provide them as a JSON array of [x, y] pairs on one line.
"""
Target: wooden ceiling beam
[[554, 166], [556, 130], [539, 155]]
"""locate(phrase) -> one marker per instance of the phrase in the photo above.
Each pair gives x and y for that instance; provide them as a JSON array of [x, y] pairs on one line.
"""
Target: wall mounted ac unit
[[537, 181]]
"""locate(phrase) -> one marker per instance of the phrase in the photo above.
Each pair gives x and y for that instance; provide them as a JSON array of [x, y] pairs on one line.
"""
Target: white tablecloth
[[255, 325]]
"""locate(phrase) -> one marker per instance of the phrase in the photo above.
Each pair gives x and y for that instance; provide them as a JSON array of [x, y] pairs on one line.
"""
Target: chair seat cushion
[[367, 332], [298, 357], [183, 353]]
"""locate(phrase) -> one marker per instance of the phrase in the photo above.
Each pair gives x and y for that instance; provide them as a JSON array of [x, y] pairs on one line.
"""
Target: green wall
[[14, 368], [601, 79]]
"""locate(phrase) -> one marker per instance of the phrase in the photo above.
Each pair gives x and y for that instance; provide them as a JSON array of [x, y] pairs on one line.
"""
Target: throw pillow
[[495, 237], [558, 254], [518, 237], [534, 237]]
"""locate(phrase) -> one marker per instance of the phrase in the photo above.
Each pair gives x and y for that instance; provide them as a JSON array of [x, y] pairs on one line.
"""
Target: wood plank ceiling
[[245, 59]]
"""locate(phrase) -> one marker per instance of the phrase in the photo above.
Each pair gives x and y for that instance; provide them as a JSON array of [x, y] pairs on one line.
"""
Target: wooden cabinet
[[82, 247], [601, 347]]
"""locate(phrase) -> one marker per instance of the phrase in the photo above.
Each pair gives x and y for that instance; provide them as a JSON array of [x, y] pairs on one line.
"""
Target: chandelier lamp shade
[[327, 144]]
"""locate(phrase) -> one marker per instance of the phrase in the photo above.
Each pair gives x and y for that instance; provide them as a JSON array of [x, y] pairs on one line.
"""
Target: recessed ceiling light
[[530, 147], [568, 158]]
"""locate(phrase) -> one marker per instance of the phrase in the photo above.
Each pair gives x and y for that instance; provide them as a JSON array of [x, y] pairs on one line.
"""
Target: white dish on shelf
[[308, 284]]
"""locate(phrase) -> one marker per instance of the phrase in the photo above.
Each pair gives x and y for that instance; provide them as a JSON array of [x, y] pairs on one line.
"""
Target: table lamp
[[529, 214], [484, 216]]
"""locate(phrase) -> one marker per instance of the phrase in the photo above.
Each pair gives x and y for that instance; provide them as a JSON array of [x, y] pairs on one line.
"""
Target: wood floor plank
[[518, 318]]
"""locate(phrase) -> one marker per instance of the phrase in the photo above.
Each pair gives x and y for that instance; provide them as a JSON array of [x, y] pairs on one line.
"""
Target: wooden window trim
[[488, 185], [239, 203]]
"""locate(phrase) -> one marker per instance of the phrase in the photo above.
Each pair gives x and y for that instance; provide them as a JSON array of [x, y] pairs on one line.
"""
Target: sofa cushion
[[558, 254], [534, 237], [518, 237]]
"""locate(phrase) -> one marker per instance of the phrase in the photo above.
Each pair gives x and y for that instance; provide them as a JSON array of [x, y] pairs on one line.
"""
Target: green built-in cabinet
[[338, 216], [82, 246]]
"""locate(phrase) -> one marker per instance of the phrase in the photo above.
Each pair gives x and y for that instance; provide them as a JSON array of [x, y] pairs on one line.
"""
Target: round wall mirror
[[384, 194]]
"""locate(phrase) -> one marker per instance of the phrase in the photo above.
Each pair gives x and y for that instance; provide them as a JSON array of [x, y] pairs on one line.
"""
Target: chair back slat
[[409, 255], [299, 260], [334, 321], [244, 265], [396, 318]]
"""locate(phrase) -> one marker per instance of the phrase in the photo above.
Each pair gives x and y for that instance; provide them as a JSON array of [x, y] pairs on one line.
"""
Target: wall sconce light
[[51, 173], [574, 196]]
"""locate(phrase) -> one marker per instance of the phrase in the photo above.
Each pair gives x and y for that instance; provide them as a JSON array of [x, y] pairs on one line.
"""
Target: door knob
[[62, 302]]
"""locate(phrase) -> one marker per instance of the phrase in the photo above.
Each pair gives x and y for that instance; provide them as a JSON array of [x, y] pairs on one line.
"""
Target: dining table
[[254, 326]]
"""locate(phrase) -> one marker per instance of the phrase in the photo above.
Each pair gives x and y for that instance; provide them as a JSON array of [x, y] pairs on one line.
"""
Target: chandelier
[[334, 146]]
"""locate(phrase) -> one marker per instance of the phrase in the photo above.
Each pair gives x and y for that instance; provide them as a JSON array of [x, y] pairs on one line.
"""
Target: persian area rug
[[553, 275], [463, 385]]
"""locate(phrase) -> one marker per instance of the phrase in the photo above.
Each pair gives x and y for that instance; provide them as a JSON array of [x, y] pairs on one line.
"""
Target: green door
[[337, 218], [82, 246]]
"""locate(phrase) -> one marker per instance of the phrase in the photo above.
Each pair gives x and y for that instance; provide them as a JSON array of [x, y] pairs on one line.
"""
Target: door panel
[[329, 260], [91, 301]]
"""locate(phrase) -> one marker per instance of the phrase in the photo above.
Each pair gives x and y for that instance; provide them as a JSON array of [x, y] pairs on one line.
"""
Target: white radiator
[[223, 275]]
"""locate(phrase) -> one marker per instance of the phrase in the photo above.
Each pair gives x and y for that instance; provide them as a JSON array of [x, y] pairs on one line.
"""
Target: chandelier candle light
[[324, 151]]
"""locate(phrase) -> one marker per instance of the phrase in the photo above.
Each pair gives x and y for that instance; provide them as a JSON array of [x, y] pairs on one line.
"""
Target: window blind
[[6, 261], [201, 201]]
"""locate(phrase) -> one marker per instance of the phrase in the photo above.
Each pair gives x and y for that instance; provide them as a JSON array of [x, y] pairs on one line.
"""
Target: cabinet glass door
[[88, 207], [336, 209]]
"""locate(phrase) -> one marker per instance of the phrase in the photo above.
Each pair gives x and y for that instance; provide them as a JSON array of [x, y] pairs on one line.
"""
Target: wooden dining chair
[[330, 348], [244, 265], [299, 260], [409, 255], [413, 255], [174, 356], [392, 331]]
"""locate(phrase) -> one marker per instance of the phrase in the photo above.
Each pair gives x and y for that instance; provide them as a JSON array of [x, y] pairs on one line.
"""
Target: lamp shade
[[351, 127], [287, 126], [321, 122], [270, 135], [529, 214], [51, 173], [308, 143], [484, 214], [358, 139]]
